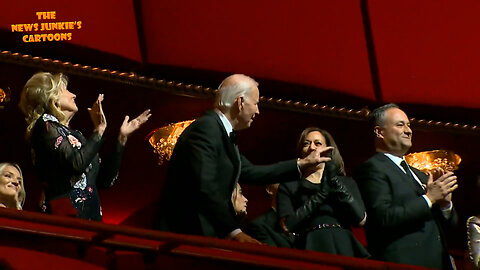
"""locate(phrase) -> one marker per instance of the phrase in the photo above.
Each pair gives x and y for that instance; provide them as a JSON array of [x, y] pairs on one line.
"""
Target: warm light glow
[[3, 95], [163, 139], [435, 159]]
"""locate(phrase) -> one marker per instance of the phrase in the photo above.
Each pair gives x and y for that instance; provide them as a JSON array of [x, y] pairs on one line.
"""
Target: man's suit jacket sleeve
[[388, 211], [280, 172]]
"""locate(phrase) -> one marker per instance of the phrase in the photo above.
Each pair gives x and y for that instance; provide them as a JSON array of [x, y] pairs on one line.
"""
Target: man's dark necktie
[[410, 175]]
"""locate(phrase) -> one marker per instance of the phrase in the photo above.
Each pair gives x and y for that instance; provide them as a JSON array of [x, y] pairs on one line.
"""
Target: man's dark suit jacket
[[400, 226], [266, 229], [202, 173]]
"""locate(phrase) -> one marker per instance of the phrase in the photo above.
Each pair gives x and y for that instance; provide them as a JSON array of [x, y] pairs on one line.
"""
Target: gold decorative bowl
[[163, 139], [435, 159]]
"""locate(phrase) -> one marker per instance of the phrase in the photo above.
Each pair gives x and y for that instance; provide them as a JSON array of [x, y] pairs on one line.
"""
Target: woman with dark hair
[[320, 209], [65, 161]]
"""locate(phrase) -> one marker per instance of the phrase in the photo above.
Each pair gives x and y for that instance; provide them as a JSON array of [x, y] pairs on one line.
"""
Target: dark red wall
[[401, 51]]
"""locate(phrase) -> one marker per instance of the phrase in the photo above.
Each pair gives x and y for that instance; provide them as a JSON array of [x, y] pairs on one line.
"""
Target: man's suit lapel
[[421, 175], [394, 169], [231, 149]]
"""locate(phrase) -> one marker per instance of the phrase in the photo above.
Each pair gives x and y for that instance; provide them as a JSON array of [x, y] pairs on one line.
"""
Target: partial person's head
[[272, 190], [47, 93], [239, 201], [238, 98], [12, 191], [392, 130], [313, 138]]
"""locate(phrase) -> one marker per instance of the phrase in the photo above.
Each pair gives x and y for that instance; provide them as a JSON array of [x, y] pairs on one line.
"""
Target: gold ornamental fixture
[[435, 159], [3, 95], [163, 139]]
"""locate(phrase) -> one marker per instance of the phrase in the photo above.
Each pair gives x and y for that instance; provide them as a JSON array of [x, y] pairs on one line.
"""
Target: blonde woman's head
[[239, 201], [12, 189], [40, 95]]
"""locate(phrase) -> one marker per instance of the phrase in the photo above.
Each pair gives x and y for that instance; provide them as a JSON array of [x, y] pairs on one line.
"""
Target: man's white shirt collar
[[226, 124]]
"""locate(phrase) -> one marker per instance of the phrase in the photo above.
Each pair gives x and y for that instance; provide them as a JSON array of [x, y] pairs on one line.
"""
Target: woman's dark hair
[[334, 166]]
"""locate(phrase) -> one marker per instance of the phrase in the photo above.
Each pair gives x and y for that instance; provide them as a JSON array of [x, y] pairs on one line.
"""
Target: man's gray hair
[[234, 86], [378, 115]]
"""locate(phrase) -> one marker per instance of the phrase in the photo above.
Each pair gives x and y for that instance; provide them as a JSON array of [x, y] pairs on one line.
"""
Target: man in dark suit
[[206, 165], [266, 228], [408, 210]]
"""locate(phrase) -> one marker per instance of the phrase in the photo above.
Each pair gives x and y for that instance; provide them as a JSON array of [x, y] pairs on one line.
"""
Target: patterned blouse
[[69, 167]]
